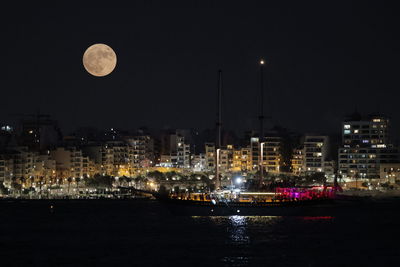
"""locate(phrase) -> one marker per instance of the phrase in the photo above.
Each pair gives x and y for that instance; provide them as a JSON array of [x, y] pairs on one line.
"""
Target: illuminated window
[[347, 126], [355, 131], [346, 131]]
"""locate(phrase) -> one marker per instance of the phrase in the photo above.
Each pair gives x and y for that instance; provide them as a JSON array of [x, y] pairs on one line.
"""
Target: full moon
[[99, 60]]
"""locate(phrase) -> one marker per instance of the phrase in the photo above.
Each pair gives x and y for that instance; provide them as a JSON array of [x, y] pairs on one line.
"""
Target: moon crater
[[99, 60]]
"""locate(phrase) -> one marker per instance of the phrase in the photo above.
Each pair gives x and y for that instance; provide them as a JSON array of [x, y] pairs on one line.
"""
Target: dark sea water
[[144, 233]]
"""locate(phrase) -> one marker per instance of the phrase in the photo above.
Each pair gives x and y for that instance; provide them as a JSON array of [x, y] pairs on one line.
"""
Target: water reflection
[[236, 261], [237, 227], [240, 234]]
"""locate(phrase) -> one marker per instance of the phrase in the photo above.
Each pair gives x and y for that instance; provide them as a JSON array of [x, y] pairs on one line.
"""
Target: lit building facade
[[45, 167], [272, 157], [241, 161], [272, 154], [365, 146], [210, 156], [316, 152], [330, 169], [70, 162], [142, 151], [17, 164], [174, 145], [297, 161], [181, 156], [225, 157], [199, 163], [6, 169], [389, 172]]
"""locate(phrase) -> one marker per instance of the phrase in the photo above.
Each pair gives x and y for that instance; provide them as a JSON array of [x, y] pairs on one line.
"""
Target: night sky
[[324, 61]]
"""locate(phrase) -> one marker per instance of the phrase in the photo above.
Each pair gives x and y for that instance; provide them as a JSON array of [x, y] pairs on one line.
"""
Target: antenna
[[218, 136], [261, 118], [219, 115]]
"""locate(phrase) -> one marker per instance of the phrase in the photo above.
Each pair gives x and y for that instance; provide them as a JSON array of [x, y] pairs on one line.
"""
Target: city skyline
[[321, 65], [200, 133], [362, 136]]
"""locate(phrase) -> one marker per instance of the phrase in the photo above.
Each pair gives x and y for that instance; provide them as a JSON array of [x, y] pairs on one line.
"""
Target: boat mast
[[261, 119], [218, 128]]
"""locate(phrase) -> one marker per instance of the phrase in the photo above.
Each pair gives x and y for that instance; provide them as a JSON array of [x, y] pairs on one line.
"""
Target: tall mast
[[218, 135], [261, 119]]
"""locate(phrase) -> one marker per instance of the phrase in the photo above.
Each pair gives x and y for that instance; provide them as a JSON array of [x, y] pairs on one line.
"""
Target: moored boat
[[320, 206], [283, 201]]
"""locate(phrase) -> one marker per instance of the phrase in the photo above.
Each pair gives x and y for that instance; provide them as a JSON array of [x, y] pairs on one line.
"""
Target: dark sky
[[325, 59]]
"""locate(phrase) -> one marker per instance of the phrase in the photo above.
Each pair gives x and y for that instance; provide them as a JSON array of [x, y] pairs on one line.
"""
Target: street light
[[238, 180]]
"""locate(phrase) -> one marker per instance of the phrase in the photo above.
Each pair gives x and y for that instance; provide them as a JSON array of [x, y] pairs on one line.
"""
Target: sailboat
[[282, 201]]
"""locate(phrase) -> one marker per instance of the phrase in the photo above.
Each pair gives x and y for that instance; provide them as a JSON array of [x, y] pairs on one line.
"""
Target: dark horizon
[[324, 62]]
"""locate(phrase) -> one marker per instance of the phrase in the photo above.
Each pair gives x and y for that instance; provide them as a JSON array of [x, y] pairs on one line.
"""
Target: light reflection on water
[[237, 226], [238, 230], [247, 236], [237, 236]]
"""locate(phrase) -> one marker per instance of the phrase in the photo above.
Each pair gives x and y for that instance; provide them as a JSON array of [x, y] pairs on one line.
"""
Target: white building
[[272, 157], [199, 163], [174, 145], [365, 146]]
